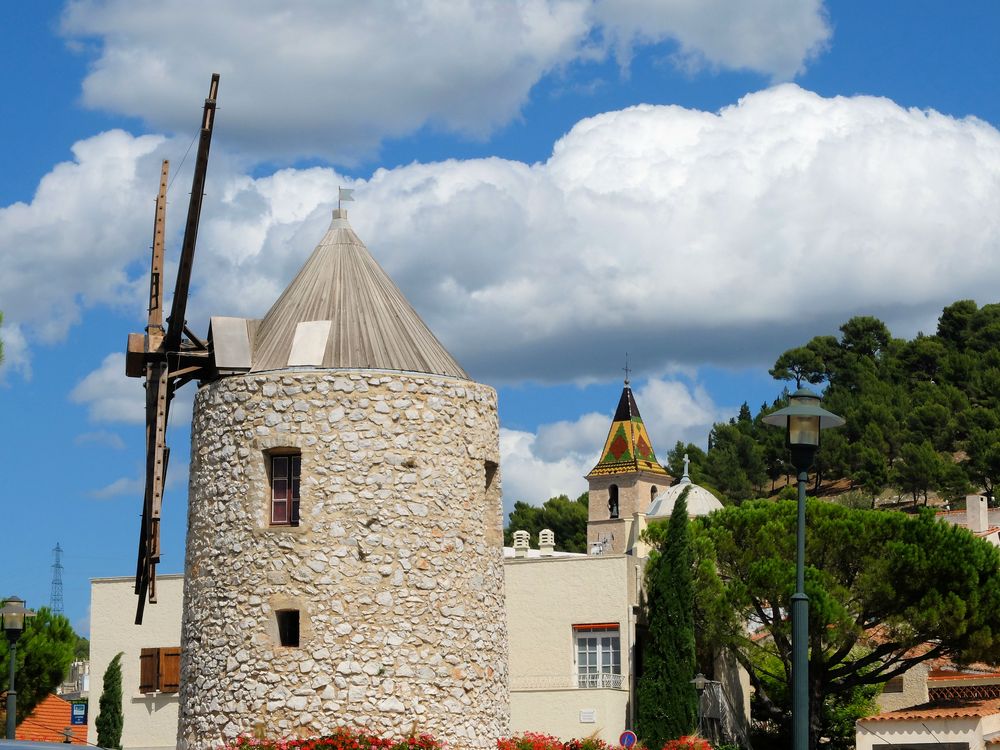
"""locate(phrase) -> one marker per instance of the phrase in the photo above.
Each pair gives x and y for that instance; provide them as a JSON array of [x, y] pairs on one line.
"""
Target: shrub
[[110, 717], [340, 739], [539, 741], [688, 742]]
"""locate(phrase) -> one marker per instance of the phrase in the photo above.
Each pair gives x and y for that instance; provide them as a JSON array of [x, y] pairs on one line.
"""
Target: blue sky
[[551, 183]]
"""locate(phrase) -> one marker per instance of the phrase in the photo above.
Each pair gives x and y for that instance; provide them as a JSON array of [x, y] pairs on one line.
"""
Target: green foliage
[[666, 701], [44, 654], [110, 718], [566, 518], [918, 470], [879, 584], [839, 711], [913, 409], [983, 462], [854, 499], [798, 364], [81, 652]]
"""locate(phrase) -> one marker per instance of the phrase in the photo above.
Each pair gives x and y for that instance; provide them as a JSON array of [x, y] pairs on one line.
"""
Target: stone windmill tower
[[344, 550]]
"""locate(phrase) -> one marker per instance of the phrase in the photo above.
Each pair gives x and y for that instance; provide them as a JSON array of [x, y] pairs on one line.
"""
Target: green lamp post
[[13, 616], [803, 419]]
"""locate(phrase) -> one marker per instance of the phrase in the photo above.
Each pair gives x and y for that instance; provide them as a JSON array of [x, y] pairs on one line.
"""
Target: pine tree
[[110, 718], [44, 653], [667, 702]]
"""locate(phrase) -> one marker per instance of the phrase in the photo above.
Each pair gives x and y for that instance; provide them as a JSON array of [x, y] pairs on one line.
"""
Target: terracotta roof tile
[[965, 674], [47, 722], [954, 709]]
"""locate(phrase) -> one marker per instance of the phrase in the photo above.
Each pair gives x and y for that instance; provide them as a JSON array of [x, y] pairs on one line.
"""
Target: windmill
[[167, 358]]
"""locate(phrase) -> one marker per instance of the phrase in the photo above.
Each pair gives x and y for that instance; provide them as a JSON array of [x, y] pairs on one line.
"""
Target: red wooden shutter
[[149, 667], [170, 670]]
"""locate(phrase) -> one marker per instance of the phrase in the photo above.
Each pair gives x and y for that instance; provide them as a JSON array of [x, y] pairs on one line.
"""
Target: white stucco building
[[149, 662], [571, 625], [572, 619]]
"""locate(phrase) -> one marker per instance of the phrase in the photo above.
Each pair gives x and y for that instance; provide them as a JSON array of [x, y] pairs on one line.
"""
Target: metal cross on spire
[[626, 369]]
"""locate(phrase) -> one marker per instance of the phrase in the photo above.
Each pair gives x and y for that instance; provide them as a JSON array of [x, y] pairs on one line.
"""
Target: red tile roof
[[952, 674], [47, 722], [956, 709]]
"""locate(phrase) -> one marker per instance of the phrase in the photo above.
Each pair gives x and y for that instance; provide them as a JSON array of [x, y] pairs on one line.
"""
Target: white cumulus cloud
[[111, 396], [336, 78], [682, 236], [100, 437]]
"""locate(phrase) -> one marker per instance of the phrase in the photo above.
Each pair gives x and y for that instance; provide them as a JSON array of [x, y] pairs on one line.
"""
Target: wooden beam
[[154, 326], [176, 322]]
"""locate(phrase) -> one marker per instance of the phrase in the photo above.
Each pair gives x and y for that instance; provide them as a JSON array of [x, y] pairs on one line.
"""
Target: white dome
[[700, 502]]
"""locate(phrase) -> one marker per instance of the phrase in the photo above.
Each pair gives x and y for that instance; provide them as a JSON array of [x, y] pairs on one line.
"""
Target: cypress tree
[[110, 718], [667, 701]]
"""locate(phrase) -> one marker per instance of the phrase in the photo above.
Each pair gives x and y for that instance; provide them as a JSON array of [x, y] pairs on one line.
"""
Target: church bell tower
[[624, 482]]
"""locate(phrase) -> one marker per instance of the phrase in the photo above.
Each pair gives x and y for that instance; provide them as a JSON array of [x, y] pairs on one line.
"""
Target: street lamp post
[[803, 419], [13, 615], [700, 682]]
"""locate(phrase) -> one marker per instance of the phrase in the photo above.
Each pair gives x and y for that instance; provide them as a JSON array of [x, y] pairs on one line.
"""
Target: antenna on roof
[[344, 194], [626, 368], [56, 597]]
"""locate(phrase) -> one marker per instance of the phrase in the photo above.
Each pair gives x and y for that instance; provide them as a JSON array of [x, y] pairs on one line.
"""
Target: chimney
[[521, 540], [546, 542], [976, 513]]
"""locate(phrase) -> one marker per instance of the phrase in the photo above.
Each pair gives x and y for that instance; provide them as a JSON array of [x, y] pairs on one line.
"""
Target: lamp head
[[13, 615], [803, 419], [700, 682]]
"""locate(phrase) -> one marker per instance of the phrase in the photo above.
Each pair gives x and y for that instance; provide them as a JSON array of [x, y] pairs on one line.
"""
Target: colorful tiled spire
[[628, 448]]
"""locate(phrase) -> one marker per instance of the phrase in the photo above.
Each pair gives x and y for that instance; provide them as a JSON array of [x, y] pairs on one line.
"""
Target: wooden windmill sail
[[167, 359]]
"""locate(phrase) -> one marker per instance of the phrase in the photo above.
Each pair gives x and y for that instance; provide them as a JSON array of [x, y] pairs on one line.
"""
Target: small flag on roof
[[346, 194]]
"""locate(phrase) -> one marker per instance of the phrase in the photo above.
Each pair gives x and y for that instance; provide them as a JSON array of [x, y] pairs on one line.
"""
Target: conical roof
[[343, 311], [628, 448]]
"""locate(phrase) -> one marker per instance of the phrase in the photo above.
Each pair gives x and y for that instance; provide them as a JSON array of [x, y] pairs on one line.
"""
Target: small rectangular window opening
[[286, 472], [493, 503], [288, 627], [490, 468], [895, 685]]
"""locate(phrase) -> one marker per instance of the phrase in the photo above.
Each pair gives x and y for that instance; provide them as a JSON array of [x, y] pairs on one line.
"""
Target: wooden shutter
[[149, 670], [170, 670]]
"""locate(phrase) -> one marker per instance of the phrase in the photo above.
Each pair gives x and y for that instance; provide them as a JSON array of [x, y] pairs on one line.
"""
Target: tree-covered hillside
[[922, 415]]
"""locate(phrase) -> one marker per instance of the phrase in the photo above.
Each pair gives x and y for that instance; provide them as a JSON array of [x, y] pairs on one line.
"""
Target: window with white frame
[[598, 655]]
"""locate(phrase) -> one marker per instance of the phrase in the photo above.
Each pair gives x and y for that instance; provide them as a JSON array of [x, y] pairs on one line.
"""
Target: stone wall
[[396, 566]]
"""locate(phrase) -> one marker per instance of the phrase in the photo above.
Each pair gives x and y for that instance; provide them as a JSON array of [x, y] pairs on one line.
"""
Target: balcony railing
[[600, 680], [563, 682]]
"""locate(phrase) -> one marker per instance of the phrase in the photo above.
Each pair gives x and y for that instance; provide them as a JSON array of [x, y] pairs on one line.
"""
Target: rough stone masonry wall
[[396, 565]]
